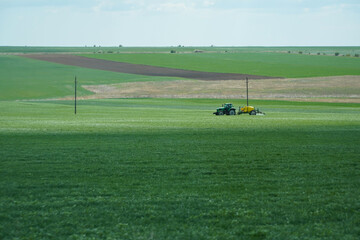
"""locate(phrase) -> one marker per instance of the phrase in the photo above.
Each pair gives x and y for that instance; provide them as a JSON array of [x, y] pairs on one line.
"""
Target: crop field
[[165, 167], [323, 89], [23, 78], [255, 63], [168, 169]]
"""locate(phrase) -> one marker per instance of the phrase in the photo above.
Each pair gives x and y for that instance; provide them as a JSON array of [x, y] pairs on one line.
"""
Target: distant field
[[327, 89], [255, 63], [22, 78], [351, 51], [169, 169]]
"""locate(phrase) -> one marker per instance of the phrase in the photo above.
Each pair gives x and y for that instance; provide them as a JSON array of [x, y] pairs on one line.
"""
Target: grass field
[[23, 78], [169, 169], [255, 63]]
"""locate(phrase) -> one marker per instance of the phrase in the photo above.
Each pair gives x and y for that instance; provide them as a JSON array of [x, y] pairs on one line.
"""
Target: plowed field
[[123, 67]]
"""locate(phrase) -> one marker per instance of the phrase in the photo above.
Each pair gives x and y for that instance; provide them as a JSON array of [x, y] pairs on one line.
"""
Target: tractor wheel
[[253, 112], [232, 112], [221, 113]]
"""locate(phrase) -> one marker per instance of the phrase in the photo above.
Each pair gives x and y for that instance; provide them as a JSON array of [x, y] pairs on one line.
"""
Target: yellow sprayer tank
[[247, 109]]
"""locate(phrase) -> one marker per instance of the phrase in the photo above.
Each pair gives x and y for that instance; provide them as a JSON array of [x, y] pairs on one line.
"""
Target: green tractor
[[227, 109]]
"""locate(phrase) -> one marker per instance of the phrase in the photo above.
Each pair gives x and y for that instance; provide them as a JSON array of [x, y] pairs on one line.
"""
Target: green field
[[268, 61], [255, 63], [23, 78], [169, 169]]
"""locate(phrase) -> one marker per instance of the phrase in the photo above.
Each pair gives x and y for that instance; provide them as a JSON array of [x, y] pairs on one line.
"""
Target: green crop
[[169, 169], [23, 78], [255, 63]]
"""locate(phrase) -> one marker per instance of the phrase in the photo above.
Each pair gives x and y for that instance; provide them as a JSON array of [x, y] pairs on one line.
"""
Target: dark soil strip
[[122, 67]]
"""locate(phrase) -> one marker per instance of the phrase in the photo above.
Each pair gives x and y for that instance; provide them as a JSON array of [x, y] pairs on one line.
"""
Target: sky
[[180, 22]]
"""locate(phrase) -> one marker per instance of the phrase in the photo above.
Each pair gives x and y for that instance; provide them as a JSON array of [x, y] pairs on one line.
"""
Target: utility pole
[[247, 92], [75, 94]]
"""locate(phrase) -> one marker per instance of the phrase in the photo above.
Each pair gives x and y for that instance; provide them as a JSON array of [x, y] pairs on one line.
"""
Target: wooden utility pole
[[75, 94], [247, 92]]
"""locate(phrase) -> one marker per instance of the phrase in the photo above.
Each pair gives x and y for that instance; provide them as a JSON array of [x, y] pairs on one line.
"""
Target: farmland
[[25, 78], [255, 63], [22, 78], [323, 89], [169, 169], [166, 168]]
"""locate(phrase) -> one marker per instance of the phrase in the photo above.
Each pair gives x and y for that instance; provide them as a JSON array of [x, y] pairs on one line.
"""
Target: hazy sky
[[179, 22]]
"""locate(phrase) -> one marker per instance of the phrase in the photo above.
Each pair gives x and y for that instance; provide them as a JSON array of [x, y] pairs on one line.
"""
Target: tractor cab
[[228, 105]]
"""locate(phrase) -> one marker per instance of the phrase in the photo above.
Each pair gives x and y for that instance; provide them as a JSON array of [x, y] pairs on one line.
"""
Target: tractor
[[227, 109]]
